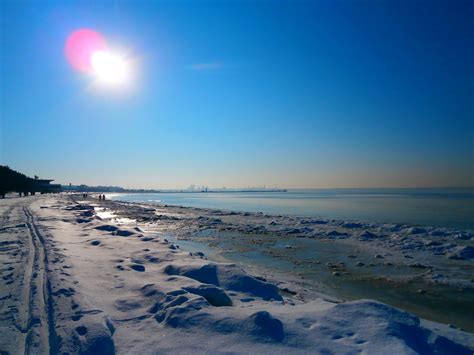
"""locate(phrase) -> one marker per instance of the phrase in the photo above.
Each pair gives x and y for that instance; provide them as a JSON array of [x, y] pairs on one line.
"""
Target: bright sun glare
[[88, 52], [109, 68]]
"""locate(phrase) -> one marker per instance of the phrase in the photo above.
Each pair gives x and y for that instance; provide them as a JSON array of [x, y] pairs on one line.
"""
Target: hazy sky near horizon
[[244, 93]]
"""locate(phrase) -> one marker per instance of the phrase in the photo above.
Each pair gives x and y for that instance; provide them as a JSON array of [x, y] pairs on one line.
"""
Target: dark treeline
[[11, 180]]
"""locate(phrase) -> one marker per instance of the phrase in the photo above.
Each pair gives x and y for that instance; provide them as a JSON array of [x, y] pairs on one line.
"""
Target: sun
[[89, 53], [109, 68]]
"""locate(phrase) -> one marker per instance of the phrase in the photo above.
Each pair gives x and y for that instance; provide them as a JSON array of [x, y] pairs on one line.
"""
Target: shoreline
[[427, 271], [117, 284], [409, 208]]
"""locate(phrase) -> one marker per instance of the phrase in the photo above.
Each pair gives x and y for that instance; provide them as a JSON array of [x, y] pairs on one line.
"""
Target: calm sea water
[[452, 208]]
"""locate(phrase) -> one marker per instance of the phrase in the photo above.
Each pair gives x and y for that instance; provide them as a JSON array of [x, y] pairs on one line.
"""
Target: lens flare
[[80, 46], [88, 52]]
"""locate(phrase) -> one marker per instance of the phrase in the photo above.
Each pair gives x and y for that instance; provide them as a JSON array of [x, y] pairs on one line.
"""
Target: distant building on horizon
[[45, 186]]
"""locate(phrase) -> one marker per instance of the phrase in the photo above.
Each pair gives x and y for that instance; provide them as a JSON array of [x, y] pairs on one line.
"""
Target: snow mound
[[107, 228], [124, 232], [214, 295], [88, 332], [463, 253], [227, 276], [366, 235], [389, 329], [95, 338], [265, 327]]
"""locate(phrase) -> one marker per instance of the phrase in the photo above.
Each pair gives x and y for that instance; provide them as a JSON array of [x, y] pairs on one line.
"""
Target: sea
[[447, 207]]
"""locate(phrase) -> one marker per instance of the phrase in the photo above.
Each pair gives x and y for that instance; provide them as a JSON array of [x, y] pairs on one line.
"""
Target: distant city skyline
[[288, 94], [199, 188]]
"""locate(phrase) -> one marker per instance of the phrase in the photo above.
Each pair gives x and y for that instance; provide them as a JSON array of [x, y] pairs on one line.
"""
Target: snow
[[113, 289]]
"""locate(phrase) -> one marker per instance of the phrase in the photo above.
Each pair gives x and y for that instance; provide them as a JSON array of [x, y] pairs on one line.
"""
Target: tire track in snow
[[35, 320]]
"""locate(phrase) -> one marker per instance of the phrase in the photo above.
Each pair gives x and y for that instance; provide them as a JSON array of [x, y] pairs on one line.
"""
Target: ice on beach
[[463, 253]]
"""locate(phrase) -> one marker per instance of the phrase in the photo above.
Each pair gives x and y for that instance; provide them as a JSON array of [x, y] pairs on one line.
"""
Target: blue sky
[[244, 93]]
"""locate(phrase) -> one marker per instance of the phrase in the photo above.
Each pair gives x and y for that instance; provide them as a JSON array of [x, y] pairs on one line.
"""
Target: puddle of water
[[102, 213], [306, 259], [124, 220]]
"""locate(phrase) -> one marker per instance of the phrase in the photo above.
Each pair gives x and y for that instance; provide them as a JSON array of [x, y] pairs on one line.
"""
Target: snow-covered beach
[[89, 276]]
